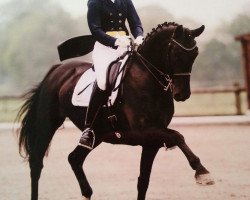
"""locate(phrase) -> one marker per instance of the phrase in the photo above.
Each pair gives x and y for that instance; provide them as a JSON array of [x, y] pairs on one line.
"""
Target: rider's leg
[[98, 98], [102, 56]]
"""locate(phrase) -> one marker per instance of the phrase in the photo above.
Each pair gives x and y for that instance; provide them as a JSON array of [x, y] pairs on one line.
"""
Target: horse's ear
[[198, 31], [178, 31]]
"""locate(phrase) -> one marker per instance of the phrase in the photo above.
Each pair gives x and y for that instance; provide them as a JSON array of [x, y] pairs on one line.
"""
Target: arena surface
[[113, 169]]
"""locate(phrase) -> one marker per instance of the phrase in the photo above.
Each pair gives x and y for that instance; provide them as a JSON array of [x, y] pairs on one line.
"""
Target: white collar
[[113, 1]]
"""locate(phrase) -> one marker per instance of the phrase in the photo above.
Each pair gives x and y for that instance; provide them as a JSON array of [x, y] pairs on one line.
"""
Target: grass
[[210, 104], [9, 109], [198, 104]]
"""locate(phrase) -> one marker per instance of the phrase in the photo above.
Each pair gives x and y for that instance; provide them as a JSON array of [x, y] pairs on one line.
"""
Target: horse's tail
[[27, 114]]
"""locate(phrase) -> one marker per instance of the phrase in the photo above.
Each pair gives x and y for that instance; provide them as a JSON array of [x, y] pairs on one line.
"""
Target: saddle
[[115, 75], [116, 72]]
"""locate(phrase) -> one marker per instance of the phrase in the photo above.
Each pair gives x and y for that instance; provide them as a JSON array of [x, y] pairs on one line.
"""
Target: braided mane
[[154, 32]]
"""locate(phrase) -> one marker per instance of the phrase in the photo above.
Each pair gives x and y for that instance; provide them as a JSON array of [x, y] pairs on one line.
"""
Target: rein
[[145, 63], [167, 78]]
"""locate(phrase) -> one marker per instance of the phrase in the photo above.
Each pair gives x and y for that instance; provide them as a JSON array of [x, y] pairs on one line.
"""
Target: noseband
[[182, 74]]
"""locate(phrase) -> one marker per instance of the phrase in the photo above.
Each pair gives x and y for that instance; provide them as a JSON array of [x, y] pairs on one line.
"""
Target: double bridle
[[186, 49], [168, 84], [180, 45]]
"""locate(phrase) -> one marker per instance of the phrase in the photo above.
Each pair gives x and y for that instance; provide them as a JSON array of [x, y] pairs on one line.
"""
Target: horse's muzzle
[[181, 96], [181, 88]]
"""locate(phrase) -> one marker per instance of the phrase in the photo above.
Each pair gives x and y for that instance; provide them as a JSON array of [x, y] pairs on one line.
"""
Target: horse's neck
[[144, 101], [142, 76], [141, 80], [155, 48]]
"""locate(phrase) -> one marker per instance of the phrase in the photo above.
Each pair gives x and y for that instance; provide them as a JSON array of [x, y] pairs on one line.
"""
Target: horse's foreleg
[[76, 159], [202, 175], [147, 159]]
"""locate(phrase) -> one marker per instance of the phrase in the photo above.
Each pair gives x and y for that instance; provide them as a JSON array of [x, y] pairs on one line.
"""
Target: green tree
[[219, 63], [31, 30], [30, 37], [151, 16], [216, 65], [240, 25]]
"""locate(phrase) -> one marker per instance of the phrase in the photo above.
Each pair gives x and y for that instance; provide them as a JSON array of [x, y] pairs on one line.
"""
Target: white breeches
[[102, 56]]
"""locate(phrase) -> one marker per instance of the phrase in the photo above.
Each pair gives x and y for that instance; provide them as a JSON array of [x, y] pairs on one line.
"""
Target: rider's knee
[[101, 83]]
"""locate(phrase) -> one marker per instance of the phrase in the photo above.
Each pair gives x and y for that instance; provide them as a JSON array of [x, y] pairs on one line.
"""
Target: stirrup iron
[[88, 131]]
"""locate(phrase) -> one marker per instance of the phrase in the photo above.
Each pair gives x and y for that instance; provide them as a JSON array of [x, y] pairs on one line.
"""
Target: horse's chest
[[145, 115]]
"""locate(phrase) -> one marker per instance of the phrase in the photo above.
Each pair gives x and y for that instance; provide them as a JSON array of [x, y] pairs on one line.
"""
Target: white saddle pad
[[83, 89]]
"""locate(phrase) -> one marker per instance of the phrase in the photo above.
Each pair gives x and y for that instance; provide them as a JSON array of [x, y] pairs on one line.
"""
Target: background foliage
[[31, 30]]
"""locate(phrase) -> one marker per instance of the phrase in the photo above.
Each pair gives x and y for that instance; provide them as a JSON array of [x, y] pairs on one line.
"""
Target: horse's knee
[[179, 138], [194, 161]]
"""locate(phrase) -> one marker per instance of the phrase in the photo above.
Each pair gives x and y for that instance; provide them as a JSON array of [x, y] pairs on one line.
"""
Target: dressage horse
[[156, 74]]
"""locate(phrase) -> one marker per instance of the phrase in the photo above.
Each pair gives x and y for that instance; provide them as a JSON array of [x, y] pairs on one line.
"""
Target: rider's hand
[[123, 41], [139, 40]]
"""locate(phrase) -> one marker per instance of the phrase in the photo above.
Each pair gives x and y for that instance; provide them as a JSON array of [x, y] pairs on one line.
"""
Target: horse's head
[[172, 49], [182, 52]]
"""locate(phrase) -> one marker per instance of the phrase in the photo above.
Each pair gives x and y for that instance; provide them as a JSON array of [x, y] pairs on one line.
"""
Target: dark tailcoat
[[104, 16]]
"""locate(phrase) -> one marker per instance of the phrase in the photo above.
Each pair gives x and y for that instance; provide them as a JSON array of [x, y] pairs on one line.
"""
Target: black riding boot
[[98, 98]]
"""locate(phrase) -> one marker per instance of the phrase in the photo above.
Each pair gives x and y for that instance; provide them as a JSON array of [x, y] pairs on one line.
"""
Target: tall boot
[[98, 98]]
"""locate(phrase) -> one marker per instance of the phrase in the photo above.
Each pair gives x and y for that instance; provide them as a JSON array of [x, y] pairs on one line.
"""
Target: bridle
[[166, 77], [186, 49], [168, 85]]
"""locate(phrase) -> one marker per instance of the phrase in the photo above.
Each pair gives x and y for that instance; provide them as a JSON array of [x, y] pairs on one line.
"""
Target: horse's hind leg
[[36, 166], [147, 159], [202, 175], [76, 159], [44, 136]]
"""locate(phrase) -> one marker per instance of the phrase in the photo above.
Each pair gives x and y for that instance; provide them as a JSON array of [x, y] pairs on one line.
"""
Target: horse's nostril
[[181, 97], [177, 96]]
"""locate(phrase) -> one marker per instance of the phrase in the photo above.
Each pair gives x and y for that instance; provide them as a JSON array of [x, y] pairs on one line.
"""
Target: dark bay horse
[[158, 72]]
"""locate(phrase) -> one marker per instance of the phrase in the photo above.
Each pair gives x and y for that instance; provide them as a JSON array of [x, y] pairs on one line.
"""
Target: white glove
[[139, 40], [123, 41]]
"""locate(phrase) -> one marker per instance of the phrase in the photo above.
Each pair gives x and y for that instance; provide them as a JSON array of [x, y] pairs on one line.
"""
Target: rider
[[106, 20]]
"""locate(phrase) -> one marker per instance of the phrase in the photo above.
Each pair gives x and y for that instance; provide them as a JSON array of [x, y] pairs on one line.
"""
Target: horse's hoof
[[204, 179], [85, 198]]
